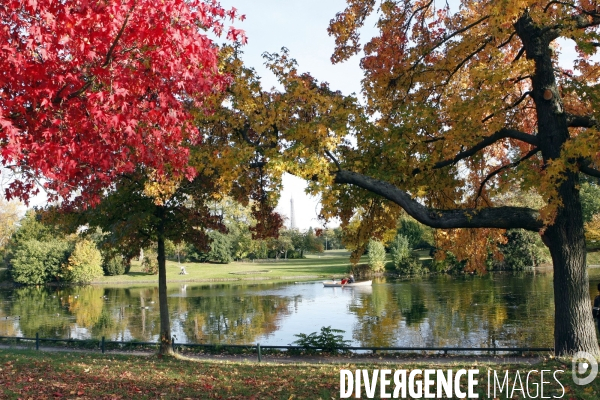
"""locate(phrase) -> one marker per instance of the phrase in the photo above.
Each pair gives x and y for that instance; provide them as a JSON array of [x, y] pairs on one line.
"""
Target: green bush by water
[[328, 341]]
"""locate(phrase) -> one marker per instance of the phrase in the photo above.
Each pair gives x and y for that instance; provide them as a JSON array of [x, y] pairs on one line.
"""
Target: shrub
[[35, 262], [410, 266], [448, 263], [360, 270], [523, 249], [85, 263], [376, 255], [327, 341], [30, 228], [115, 264], [150, 263]]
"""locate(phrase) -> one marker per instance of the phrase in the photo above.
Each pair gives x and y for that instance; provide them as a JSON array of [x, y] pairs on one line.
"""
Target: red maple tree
[[90, 89]]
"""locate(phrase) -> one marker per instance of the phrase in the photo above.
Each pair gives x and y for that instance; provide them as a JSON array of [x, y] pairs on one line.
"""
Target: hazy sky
[[301, 26]]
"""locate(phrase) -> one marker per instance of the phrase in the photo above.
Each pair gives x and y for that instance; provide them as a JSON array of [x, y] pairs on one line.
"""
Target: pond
[[498, 309]]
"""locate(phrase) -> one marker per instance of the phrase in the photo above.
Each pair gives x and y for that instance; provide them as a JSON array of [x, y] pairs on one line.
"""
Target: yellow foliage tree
[[85, 263], [9, 218], [592, 230], [462, 104]]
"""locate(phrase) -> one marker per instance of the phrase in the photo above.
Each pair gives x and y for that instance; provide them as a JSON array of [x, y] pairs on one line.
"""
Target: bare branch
[[559, 2], [111, 50], [107, 60], [333, 159], [581, 121], [512, 35], [519, 54], [258, 164], [450, 36], [505, 167], [516, 103], [586, 169], [501, 134], [444, 40], [244, 134], [466, 59]]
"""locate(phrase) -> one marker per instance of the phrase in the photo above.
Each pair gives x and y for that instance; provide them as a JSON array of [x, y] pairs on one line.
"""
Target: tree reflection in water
[[496, 310]]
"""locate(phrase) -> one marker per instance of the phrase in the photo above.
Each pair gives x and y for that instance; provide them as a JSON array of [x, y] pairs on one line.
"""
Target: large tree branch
[[586, 169], [584, 21], [581, 121], [500, 217], [501, 134]]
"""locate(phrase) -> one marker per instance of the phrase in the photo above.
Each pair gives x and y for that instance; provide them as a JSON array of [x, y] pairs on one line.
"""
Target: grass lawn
[[314, 266], [28, 374], [593, 258]]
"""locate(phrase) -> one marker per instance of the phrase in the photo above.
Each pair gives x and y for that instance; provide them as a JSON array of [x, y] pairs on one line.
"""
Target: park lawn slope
[[39, 375], [332, 263], [317, 266]]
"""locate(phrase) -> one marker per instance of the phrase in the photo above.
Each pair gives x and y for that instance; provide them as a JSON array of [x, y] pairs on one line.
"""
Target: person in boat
[[350, 279], [344, 281]]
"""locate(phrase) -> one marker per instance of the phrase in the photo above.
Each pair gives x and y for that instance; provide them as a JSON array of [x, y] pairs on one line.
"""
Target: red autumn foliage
[[89, 90]]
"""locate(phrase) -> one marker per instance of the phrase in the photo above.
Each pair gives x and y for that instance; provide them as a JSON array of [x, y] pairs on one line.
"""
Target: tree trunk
[[165, 325], [574, 328]]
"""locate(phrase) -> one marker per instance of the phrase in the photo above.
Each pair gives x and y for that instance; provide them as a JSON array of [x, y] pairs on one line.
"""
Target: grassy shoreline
[[332, 263], [42, 375]]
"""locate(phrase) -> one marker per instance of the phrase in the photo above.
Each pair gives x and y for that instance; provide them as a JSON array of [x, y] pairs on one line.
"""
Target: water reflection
[[494, 310]]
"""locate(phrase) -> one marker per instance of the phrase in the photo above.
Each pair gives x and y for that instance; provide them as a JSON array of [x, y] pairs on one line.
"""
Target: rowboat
[[339, 284]]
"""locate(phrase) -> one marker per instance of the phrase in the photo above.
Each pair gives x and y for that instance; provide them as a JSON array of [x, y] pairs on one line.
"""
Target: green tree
[[329, 240], [404, 262], [418, 235], [220, 247], [35, 262], [282, 244], [141, 212], [115, 264], [238, 221], [522, 249], [590, 200], [376, 255], [9, 219], [260, 249], [311, 243], [30, 228]]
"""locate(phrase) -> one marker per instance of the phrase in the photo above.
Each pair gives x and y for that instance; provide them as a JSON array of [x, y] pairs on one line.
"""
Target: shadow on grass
[[134, 274]]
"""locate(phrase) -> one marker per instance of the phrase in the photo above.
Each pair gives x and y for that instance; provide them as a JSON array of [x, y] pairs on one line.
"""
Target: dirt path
[[299, 359]]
